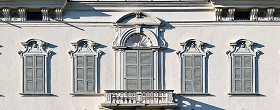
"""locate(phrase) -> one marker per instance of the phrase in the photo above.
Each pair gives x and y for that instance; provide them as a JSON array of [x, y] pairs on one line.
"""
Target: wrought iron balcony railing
[[139, 96]]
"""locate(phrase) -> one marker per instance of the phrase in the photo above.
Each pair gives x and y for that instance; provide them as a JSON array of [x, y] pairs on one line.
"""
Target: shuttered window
[[34, 75], [192, 74], [138, 68], [84, 74], [242, 74]]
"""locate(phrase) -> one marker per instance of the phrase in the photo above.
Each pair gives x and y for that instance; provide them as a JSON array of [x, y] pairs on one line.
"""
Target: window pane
[[90, 62], [39, 61], [146, 57], [197, 85], [188, 61], [39, 73], [238, 73], [247, 86], [146, 71], [247, 73], [131, 57], [80, 73], [238, 86], [247, 61], [146, 84], [197, 73], [188, 73], [197, 61], [29, 86], [90, 86], [80, 61], [80, 85], [131, 84], [188, 86], [39, 86], [131, 71], [90, 74], [237, 61], [29, 61], [29, 73]]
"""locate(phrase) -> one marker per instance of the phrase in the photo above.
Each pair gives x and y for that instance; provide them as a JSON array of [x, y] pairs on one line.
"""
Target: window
[[85, 67], [34, 16], [243, 74], [242, 15], [35, 67], [192, 67], [139, 70]]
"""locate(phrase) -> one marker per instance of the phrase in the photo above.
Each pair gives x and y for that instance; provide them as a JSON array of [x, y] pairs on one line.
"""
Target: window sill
[[86, 94], [36, 94], [194, 94], [245, 94]]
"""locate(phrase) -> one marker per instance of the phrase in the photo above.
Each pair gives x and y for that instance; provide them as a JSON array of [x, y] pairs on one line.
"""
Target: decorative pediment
[[192, 46], [138, 18], [84, 46], [34, 46], [243, 46]]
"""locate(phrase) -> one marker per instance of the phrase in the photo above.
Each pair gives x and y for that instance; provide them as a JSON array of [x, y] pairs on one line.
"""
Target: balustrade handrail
[[110, 91]]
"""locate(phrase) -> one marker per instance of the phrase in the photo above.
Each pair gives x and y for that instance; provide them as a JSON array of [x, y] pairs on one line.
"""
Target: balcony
[[156, 99]]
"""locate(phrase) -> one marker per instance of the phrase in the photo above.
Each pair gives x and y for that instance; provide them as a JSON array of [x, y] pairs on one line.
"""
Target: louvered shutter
[[197, 79], [131, 66], [237, 77], [188, 82], [80, 73], [145, 70], [247, 73], [29, 74], [90, 74], [39, 73]]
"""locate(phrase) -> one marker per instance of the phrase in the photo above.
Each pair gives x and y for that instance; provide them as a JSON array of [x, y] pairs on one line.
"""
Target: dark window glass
[[242, 16], [34, 16]]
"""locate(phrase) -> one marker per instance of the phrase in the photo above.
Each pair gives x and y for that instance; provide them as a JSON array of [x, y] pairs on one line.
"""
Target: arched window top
[[138, 18], [138, 40]]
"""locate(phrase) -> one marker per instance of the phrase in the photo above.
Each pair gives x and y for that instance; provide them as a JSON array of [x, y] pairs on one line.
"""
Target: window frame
[[243, 47]]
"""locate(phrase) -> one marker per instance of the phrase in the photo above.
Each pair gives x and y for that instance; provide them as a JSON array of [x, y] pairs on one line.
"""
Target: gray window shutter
[[188, 82], [192, 74], [80, 74], [247, 73], [131, 70], [29, 74], [145, 70], [90, 74], [39, 85], [197, 84], [242, 78]]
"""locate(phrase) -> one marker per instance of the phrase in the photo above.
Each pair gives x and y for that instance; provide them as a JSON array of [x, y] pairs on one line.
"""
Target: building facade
[[139, 54]]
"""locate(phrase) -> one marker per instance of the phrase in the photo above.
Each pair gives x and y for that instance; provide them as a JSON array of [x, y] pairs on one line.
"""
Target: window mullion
[[192, 75], [34, 73], [85, 73]]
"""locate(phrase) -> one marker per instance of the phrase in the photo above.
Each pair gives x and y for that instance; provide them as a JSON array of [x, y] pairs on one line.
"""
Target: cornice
[[33, 4], [138, 6], [246, 3]]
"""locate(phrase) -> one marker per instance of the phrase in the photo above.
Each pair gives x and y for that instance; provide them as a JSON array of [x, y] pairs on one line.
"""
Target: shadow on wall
[[92, 11], [190, 104], [49, 71]]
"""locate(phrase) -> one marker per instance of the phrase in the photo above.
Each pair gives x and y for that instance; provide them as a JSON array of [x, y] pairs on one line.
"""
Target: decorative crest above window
[[83, 46], [242, 46], [34, 46], [192, 46]]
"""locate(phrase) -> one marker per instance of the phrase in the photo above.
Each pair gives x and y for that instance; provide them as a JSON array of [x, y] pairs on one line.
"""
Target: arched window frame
[[127, 26], [85, 48], [243, 48], [193, 48], [35, 48]]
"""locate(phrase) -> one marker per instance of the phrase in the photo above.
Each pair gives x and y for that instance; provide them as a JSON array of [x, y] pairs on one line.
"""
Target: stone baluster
[[269, 14], [6, 12], [58, 14], [218, 14], [45, 14], [22, 14], [254, 14], [231, 13]]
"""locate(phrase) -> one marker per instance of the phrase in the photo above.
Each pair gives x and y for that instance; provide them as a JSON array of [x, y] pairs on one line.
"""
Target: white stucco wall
[[179, 28]]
